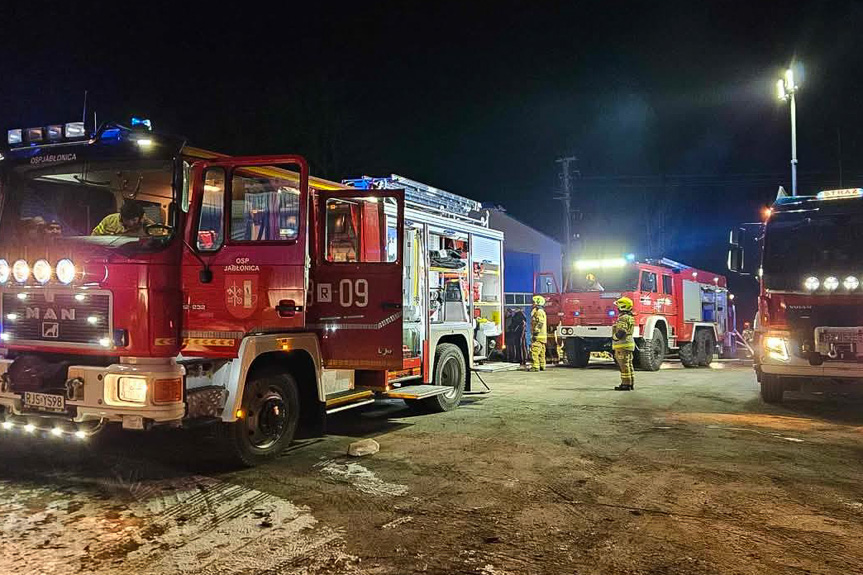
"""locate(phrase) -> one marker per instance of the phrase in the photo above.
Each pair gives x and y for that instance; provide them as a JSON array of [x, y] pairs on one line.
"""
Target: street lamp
[[786, 89]]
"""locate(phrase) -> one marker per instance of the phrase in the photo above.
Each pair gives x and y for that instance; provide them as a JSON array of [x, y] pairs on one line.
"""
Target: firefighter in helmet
[[539, 336], [623, 344], [593, 283]]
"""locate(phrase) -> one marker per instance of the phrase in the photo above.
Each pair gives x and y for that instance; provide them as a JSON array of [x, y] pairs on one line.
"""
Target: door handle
[[391, 305], [288, 308]]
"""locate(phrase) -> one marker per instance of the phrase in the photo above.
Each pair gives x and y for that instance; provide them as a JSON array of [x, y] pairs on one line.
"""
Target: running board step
[[416, 391], [349, 399], [348, 406]]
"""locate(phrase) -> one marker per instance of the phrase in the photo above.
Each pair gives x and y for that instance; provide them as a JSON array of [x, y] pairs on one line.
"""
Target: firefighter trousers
[[537, 355], [623, 357]]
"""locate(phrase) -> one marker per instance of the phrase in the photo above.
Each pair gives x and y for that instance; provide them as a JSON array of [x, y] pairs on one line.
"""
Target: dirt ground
[[549, 473]]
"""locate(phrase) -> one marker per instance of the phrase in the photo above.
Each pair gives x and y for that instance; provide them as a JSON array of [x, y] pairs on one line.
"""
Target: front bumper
[[99, 401], [797, 367], [584, 331]]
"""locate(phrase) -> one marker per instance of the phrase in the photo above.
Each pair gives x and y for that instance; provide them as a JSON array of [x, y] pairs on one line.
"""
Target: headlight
[[851, 283], [831, 283], [776, 347], [42, 271], [132, 389], [811, 283], [20, 271], [65, 271], [4, 271]]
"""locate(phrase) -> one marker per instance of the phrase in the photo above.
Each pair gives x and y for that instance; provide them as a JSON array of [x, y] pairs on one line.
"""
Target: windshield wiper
[[87, 182]]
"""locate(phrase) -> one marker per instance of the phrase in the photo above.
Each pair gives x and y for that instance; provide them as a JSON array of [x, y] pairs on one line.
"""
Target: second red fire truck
[[237, 291], [678, 309], [807, 258]]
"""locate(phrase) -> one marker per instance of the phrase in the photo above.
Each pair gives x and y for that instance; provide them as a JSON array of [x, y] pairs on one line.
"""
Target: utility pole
[[566, 198]]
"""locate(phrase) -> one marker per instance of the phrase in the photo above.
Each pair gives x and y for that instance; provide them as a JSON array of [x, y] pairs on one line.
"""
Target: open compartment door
[[356, 289]]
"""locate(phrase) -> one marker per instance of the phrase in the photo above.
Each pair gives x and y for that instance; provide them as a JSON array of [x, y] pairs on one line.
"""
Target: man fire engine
[[256, 297], [809, 326], [677, 309]]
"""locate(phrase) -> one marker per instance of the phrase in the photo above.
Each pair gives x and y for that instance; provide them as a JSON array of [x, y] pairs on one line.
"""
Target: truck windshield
[[103, 202], [797, 245], [606, 279]]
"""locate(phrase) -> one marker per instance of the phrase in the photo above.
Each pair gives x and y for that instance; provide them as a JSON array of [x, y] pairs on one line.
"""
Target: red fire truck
[[144, 282], [807, 256], [678, 309]]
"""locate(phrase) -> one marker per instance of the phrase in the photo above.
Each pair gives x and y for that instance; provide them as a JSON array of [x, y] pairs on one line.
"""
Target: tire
[[772, 389], [577, 354], [271, 406], [651, 354], [450, 369], [687, 354], [705, 346]]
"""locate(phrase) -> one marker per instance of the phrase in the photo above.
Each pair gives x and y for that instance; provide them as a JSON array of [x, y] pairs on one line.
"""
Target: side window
[[361, 230], [666, 285], [211, 223], [648, 281], [264, 208], [187, 178]]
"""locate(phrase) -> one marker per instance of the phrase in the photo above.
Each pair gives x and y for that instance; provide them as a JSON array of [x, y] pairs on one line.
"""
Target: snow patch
[[361, 478]]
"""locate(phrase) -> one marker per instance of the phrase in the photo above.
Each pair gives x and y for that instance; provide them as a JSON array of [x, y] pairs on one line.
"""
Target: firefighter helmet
[[591, 278], [538, 300], [623, 304]]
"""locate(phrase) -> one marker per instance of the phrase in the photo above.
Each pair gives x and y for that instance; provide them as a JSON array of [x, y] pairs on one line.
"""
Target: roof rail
[[672, 264], [426, 198]]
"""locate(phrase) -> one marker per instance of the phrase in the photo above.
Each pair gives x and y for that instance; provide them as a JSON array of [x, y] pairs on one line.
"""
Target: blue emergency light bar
[[142, 122]]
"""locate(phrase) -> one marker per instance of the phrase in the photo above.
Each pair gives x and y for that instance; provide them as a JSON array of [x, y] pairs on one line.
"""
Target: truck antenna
[[84, 112]]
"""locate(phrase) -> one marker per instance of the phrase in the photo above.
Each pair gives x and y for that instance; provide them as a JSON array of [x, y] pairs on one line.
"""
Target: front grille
[[803, 319], [56, 318]]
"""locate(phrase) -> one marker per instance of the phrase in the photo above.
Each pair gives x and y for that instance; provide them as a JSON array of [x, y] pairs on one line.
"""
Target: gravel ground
[[549, 473]]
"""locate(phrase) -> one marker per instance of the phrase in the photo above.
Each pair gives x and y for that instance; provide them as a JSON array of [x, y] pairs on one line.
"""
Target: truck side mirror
[[735, 259]]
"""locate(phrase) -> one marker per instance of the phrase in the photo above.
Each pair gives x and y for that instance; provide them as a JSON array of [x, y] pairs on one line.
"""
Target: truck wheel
[[651, 354], [577, 354], [772, 389], [706, 346], [687, 354], [271, 410], [450, 370]]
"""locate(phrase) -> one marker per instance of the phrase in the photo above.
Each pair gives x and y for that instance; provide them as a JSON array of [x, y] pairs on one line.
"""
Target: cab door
[[355, 299], [244, 266]]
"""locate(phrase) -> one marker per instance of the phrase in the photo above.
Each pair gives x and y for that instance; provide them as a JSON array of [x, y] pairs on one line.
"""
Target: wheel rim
[[449, 376], [266, 417]]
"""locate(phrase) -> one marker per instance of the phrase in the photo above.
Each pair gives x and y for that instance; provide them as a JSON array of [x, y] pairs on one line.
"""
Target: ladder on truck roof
[[426, 198]]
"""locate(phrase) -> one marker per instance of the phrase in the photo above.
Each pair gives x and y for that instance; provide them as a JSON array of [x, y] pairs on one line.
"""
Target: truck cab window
[[648, 281], [211, 223], [263, 208], [666, 285], [361, 229]]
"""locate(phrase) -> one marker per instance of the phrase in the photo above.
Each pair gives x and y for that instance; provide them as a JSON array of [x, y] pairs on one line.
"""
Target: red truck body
[[251, 295], [677, 308]]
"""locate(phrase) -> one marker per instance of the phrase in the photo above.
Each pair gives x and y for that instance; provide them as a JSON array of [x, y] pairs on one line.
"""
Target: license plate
[[837, 336], [133, 422], [45, 402]]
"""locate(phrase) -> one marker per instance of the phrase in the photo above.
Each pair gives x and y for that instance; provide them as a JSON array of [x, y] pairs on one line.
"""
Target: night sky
[[669, 107]]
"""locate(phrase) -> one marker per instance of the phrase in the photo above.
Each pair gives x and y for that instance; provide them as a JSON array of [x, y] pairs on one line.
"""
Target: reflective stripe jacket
[[621, 332], [538, 327]]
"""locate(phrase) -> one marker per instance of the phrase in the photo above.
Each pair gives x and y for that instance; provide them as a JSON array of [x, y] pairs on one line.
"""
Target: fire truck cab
[[145, 282], [806, 256], [677, 308]]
